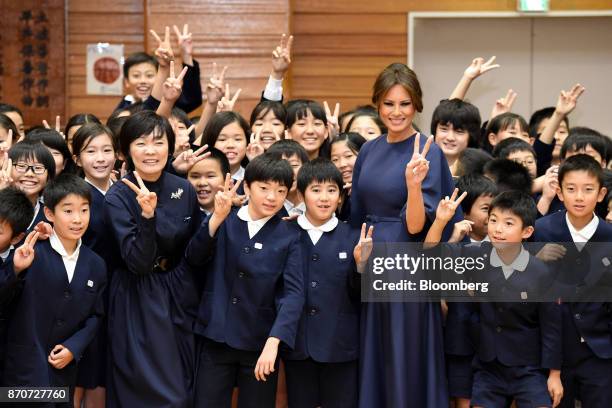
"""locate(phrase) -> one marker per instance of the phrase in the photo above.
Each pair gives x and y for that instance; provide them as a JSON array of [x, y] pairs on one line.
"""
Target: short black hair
[[538, 116], [138, 58], [262, 108], [462, 115], [16, 209], [298, 109], [35, 151], [472, 161], [519, 203], [220, 120], [62, 186], [581, 137], [141, 124], [288, 148], [500, 123], [508, 175], [53, 140], [266, 167], [5, 107], [80, 119], [353, 140], [367, 113], [87, 133], [511, 145], [475, 185], [7, 124], [219, 156], [318, 170], [581, 162]]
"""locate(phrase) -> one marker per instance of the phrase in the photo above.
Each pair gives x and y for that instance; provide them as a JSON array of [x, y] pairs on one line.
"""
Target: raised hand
[[163, 52], [44, 230], [447, 206], [60, 357], [281, 57], [226, 104], [567, 99], [503, 105], [479, 67], [363, 249], [186, 160], [332, 119], [255, 148], [216, 83], [173, 85], [146, 199], [6, 169], [224, 198], [58, 126], [185, 43], [551, 182], [24, 255], [460, 230], [418, 166]]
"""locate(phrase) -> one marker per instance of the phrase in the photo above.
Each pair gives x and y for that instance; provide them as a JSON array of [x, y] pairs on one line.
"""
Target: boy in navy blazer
[[58, 311], [518, 356], [587, 326], [253, 290], [322, 369]]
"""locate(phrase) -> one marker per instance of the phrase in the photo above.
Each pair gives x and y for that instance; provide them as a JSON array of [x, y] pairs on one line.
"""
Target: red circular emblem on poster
[[106, 70]]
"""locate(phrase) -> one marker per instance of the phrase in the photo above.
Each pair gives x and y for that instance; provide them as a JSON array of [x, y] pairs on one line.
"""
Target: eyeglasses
[[36, 168]]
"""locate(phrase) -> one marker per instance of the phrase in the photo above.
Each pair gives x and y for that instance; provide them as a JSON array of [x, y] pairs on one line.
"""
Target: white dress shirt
[[519, 263], [36, 210], [253, 225], [274, 89], [581, 236], [315, 233], [110, 183], [239, 174], [70, 261], [294, 209], [6, 253]]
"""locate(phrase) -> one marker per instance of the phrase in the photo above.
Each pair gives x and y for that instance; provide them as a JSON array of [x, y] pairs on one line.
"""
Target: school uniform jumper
[[152, 297], [401, 350], [322, 369]]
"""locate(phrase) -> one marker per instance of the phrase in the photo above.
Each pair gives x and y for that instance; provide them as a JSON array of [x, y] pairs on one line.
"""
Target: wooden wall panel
[[90, 22]]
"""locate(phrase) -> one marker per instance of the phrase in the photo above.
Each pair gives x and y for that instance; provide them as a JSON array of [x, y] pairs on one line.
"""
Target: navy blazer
[[253, 287], [329, 326], [588, 321], [520, 333], [52, 311]]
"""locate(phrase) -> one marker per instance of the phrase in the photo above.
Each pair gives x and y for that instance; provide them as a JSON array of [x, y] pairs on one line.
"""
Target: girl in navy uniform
[[307, 124], [344, 150], [151, 345], [94, 153], [397, 187], [253, 293], [322, 369]]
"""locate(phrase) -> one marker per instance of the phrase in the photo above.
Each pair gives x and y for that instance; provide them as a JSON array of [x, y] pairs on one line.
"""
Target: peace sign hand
[[363, 249], [567, 99], [146, 199], [58, 127], [504, 104], [24, 255], [6, 169], [173, 85], [281, 57], [186, 160], [447, 206], [224, 198], [479, 67], [226, 104], [185, 41], [214, 88], [163, 52], [255, 148], [332, 120], [418, 167]]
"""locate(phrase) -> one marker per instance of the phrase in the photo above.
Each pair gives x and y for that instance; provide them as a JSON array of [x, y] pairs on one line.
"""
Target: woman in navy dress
[[402, 356], [153, 301]]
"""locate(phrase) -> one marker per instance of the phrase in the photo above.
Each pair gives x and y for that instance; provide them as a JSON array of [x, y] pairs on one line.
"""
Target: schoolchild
[[296, 155], [322, 369], [59, 310], [253, 291], [587, 343]]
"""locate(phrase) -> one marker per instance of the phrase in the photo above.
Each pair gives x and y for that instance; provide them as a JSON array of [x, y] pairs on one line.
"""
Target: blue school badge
[[177, 194]]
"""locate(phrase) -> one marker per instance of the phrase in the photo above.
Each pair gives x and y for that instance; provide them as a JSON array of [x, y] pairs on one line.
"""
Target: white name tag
[[524, 295], [258, 245], [342, 255], [90, 283]]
